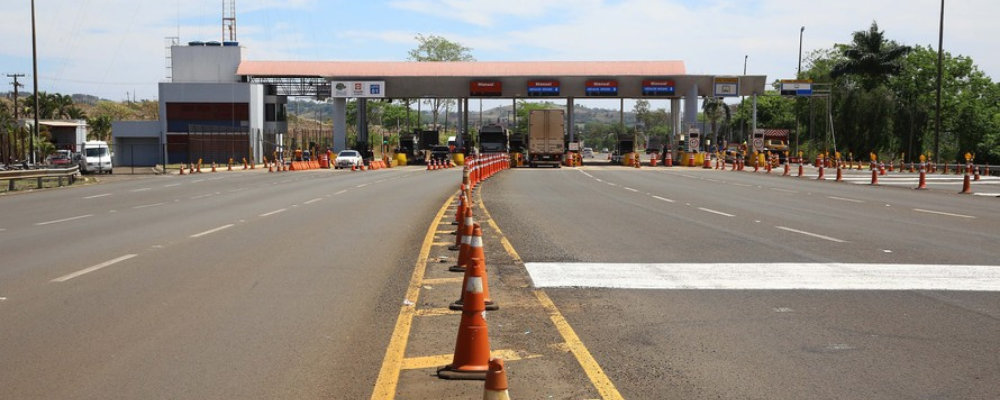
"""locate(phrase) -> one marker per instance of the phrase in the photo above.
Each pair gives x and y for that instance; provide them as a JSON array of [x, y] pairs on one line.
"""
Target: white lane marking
[[612, 184], [713, 180], [599, 180], [362, 185], [99, 195], [630, 189], [664, 199], [312, 201], [987, 194], [203, 196], [65, 220], [197, 180], [268, 214], [920, 210], [740, 185], [94, 268], [140, 190], [147, 206], [818, 236], [211, 231], [715, 212], [341, 192], [767, 276], [783, 190], [844, 199], [171, 185]]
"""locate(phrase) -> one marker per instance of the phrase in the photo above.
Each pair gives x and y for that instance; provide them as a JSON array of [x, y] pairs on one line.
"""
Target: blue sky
[[114, 48]]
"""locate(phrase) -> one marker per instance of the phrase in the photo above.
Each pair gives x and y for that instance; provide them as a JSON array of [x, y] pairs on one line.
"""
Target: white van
[[95, 156]]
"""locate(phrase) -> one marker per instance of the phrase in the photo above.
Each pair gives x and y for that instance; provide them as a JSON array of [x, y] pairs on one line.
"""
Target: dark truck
[[624, 145], [654, 145], [518, 142], [494, 138]]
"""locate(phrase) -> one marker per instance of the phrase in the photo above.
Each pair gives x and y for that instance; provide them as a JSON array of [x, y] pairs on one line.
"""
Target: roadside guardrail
[[62, 174]]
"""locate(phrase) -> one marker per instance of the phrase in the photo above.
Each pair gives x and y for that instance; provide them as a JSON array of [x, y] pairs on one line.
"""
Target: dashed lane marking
[[844, 199], [664, 199], [920, 210], [708, 210], [630, 189], [64, 220], [312, 201], [211, 231], [268, 214], [98, 196], [94, 268], [147, 206], [815, 235]]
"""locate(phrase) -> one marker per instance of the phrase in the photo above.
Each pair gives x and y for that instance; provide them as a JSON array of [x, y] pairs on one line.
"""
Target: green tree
[[99, 127], [715, 109], [871, 58], [435, 48]]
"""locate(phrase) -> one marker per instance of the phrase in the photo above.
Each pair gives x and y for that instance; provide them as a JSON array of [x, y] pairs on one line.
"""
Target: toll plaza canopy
[[515, 79]]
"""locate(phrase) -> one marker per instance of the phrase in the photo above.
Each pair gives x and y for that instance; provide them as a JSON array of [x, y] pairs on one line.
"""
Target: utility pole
[[34, 65], [798, 75], [940, 66], [10, 148]]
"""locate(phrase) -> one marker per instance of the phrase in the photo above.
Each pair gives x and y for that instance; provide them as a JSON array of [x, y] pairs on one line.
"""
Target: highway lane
[[763, 344], [252, 285]]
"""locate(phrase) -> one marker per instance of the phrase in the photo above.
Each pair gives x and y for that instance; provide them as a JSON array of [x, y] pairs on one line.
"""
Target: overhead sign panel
[[727, 87], [358, 89], [791, 87], [485, 88], [658, 87], [602, 88], [545, 88]]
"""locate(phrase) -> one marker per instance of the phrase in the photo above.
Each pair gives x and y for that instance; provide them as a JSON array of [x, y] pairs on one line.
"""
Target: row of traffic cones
[[434, 165], [471, 359]]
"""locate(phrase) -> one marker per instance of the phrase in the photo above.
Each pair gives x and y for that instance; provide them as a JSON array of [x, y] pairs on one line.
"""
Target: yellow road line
[[434, 312], [441, 244], [594, 371], [388, 376], [444, 359], [590, 366], [439, 281]]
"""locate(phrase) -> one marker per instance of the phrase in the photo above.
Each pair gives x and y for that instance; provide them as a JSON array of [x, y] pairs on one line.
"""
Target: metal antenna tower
[[229, 20]]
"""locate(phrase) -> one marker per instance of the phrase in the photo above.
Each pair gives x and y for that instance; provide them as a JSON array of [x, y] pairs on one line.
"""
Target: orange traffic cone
[[966, 185], [922, 185], [496, 381], [182, 169], [874, 174], [490, 305], [465, 245], [840, 174], [472, 346], [460, 211], [464, 230]]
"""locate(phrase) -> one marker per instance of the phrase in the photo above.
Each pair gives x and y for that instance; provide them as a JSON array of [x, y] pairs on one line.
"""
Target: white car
[[347, 159], [588, 152]]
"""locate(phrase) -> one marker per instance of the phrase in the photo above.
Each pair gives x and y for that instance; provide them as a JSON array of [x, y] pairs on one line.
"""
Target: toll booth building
[[207, 113]]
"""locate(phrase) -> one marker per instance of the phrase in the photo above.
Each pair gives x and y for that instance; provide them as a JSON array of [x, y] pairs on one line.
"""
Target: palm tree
[[871, 57]]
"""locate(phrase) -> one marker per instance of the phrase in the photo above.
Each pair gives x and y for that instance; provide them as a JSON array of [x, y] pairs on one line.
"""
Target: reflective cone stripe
[[472, 345], [496, 381], [460, 212]]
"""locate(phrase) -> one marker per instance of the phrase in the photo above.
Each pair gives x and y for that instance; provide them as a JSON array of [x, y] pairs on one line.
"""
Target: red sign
[[656, 83], [598, 84], [486, 88], [543, 83]]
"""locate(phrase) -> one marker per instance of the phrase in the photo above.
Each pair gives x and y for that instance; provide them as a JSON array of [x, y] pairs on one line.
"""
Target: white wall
[[205, 64]]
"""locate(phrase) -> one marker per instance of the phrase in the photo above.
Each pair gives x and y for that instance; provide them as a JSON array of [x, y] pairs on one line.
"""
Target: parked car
[[60, 159], [588, 152], [348, 159]]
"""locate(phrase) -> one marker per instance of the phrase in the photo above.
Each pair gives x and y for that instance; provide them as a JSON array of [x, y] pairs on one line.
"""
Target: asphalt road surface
[[712, 231], [243, 285], [678, 283]]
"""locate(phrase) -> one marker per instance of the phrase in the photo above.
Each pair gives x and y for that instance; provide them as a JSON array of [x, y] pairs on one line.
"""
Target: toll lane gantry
[[364, 80]]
